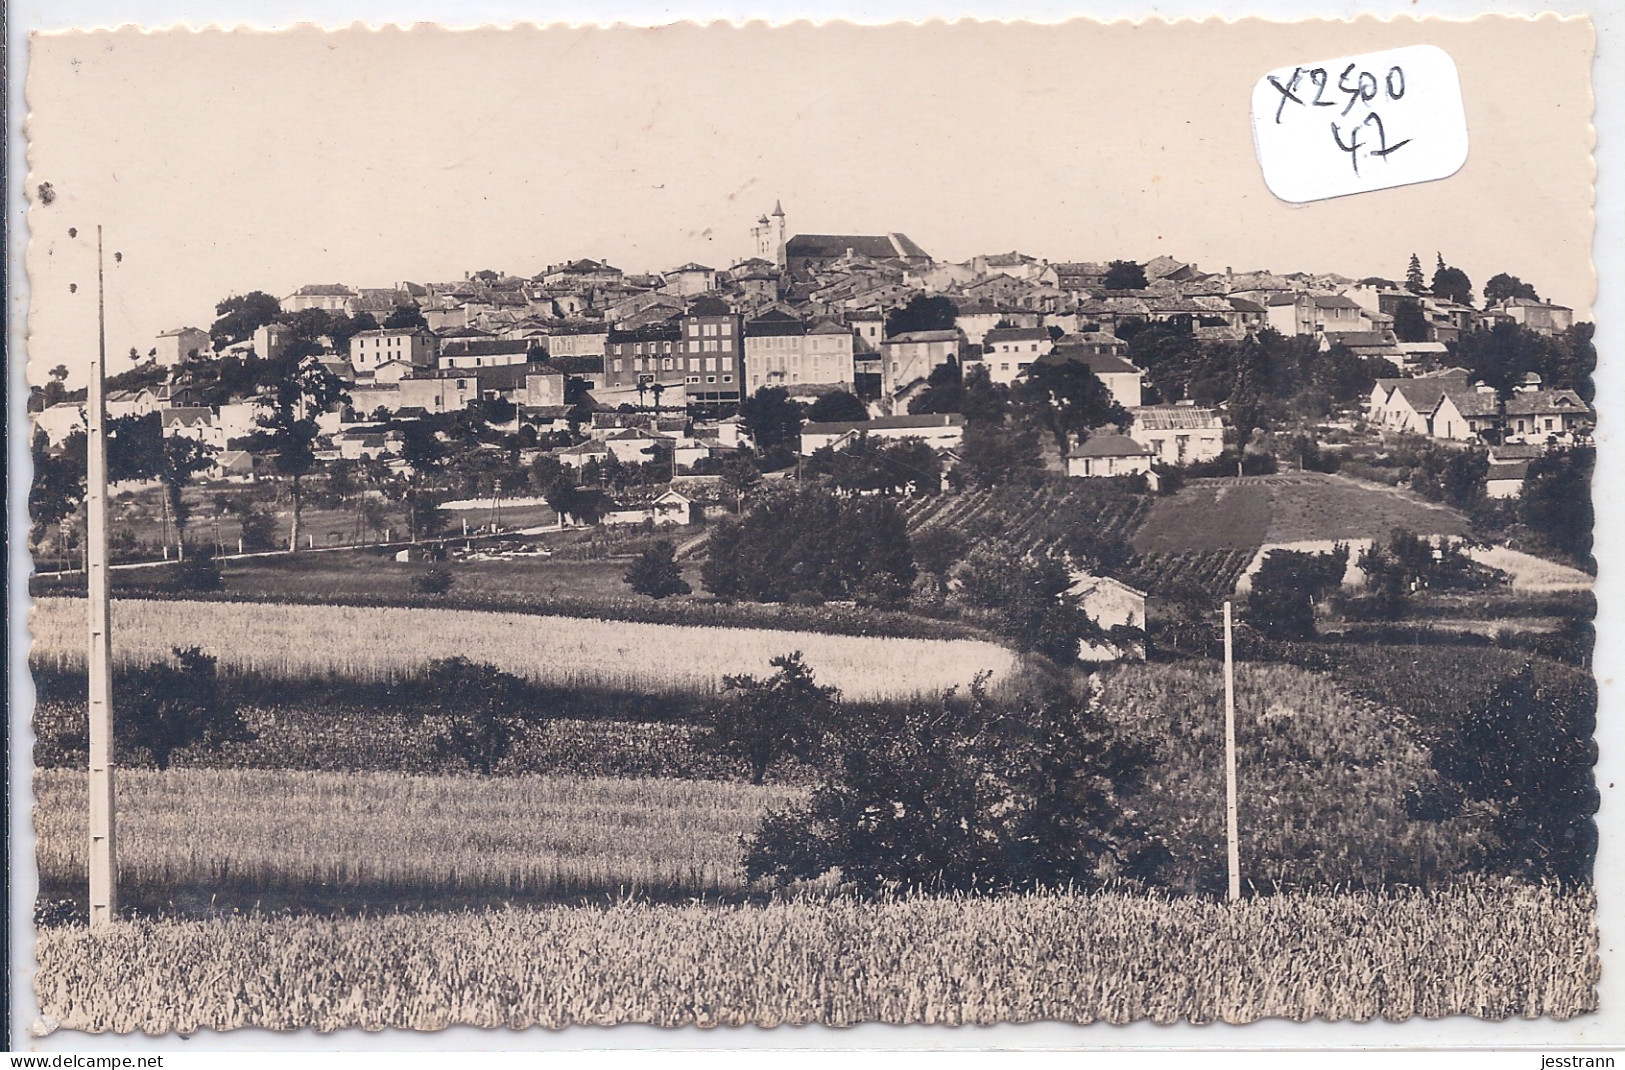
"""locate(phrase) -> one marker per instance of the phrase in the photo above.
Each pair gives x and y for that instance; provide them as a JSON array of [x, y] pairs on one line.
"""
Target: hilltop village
[[588, 397]]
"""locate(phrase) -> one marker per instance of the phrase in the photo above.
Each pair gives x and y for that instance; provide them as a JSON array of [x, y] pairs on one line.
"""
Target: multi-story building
[[1008, 351], [486, 353], [1120, 377], [690, 279], [181, 343], [578, 340], [440, 392], [807, 254], [910, 357], [329, 297], [1179, 434], [781, 350], [1304, 313], [712, 353], [648, 355], [581, 274], [369, 349], [1541, 316]]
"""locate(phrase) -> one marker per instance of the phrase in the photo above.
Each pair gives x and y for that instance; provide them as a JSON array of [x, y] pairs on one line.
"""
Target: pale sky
[[220, 163]]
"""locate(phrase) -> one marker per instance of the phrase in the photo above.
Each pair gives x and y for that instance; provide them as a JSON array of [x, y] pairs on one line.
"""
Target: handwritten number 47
[[1363, 89]]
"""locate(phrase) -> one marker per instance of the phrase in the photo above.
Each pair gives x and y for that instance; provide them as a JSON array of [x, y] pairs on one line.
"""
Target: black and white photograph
[[943, 524]]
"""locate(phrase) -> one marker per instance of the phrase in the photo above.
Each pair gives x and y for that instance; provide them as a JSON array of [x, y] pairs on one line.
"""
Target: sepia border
[[1604, 1028]]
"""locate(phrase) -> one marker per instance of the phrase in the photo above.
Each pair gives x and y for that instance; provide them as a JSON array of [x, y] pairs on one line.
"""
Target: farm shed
[[1110, 603]]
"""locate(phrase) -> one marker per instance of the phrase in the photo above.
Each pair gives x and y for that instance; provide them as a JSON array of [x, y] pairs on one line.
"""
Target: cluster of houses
[[1449, 406], [807, 313]]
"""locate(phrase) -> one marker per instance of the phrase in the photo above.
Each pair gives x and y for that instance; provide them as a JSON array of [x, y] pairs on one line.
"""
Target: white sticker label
[[1360, 123]]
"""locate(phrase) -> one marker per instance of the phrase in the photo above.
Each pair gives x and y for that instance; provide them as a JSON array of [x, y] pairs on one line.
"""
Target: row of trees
[[809, 545], [137, 449], [1452, 284], [1553, 513]]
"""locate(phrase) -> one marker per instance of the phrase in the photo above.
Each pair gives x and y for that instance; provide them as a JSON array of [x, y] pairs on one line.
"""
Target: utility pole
[[1232, 845], [103, 852]]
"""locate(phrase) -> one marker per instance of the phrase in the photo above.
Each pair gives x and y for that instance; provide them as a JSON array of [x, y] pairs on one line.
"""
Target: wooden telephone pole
[[1232, 842], [103, 853]]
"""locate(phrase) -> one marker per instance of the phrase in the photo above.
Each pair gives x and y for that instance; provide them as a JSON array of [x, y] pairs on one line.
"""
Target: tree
[[970, 796], [1029, 599], [809, 543], [864, 466], [1572, 357], [168, 706], [56, 390], [656, 572], [983, 401], [1414, 280], [992, 455], [1452, 284], [1254, 377], [837, 407], [944, 390], [437, 580], [258, 530], [289, 428], [545, 471], [483, 709], [937, 549], [773, 422], [1556, 501], [1124, 275], [241, 316], [584, 505], [1503, 286], [1067, 399], [924, 312], [1527, 750], [405, 318], [424, 454], [1410, 321], [1281, 603], [58, 488], [182, 458], [1455, 477], [761, 721], [740, 475]]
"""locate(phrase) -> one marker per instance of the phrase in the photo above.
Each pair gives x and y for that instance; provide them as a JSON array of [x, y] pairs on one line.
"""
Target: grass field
[[314, 840], [384, 642], [1244, 514], [1492, 952]]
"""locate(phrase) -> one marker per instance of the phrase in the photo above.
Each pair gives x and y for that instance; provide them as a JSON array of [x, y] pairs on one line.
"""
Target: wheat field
[[380, 837], [371, 643], [1487, 951]]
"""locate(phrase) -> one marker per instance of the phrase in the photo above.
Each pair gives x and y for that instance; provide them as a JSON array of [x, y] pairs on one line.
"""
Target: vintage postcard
[[741, 525]]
